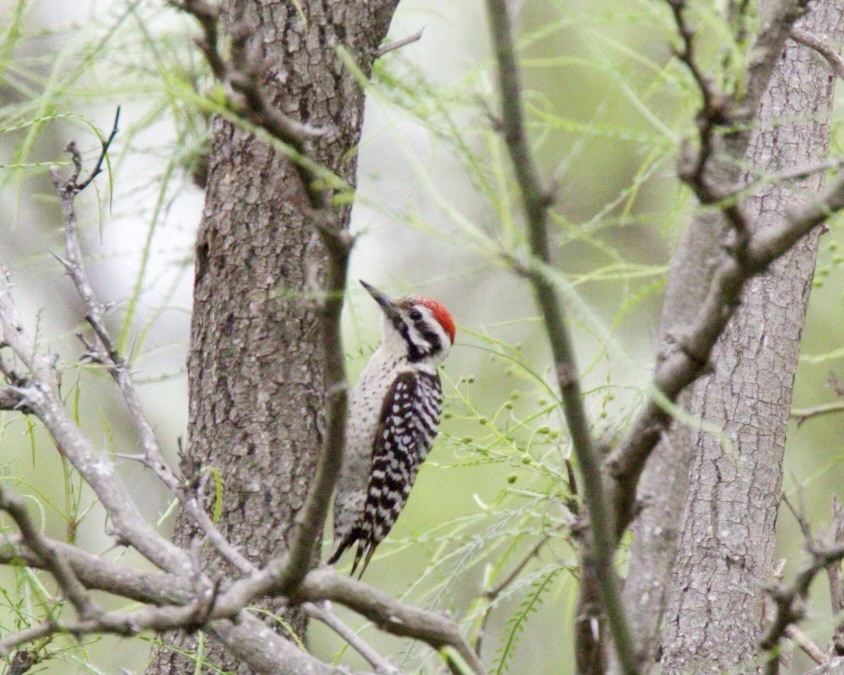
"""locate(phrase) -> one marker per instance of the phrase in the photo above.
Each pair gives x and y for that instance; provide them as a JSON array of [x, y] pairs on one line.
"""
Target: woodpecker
[[393, 417]]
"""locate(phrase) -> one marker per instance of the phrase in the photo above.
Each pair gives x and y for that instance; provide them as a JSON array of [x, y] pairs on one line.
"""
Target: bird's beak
[[382, 299]]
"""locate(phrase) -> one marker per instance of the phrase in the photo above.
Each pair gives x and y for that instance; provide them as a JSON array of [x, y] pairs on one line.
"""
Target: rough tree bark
[[727, 533], [255, 376]]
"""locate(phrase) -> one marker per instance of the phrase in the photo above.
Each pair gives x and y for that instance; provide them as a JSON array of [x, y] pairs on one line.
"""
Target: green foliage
[[607, 109], [516, 625]]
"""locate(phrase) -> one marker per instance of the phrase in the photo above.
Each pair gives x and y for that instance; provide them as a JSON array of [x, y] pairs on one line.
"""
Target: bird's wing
[[410, 417]]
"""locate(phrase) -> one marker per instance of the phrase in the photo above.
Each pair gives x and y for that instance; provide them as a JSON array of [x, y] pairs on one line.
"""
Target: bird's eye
[[415, 314]]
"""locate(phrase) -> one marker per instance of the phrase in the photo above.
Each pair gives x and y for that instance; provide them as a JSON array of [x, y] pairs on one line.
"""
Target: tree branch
[[803, 414], [105, 352], [808, 647], [37, 390], [322, 612], [536, 202], [819, 44], [179, 606], [398, 44], [790, 602], [52, 559]]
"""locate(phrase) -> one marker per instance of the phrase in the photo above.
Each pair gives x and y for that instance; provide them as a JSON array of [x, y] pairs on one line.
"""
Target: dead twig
[[322, 612], [822, 47], [790, 601], [398, 44], [105, 351], [51, 558]]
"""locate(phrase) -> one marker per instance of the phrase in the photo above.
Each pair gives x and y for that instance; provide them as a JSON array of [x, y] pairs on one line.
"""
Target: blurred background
[[436, 207]]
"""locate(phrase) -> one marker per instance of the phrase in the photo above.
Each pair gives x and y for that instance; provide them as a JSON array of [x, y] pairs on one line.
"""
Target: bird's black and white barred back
[[394, 414], [409, 422]]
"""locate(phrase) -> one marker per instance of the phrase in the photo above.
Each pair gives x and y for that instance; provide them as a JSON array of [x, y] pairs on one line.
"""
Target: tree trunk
[[726, 543], [255, 376]]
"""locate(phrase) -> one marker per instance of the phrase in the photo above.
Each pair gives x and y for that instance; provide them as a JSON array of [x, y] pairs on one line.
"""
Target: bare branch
[[803, 414], [98, 167], [822, 47], [438, 630], [178, 599], [52, 559], [105, 352], [536, 202], [322, 612], [398, 44], [805, 643], [790, 602], [712, 115], [40, 395], [834, 537]]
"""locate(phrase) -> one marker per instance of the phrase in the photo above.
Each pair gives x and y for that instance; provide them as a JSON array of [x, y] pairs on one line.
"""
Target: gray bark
[[727, 533], [255, 376]]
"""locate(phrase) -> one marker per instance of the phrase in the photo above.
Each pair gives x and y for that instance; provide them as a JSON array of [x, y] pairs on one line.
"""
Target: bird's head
[[418, 327]]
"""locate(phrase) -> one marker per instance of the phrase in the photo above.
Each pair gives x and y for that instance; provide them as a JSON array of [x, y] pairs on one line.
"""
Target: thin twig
[[98, 167], [803, 414], [105, 352], [536, 201], [835, 536], [53, 560], [38, 390], [711, 115], [492, 594], [322, 612], [820, 45], [806, 644], [176, 596], [398, 44], [790, 602]]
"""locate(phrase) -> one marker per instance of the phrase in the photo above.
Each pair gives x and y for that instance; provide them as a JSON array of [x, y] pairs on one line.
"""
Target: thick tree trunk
[[255, 376], [727, 535]]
